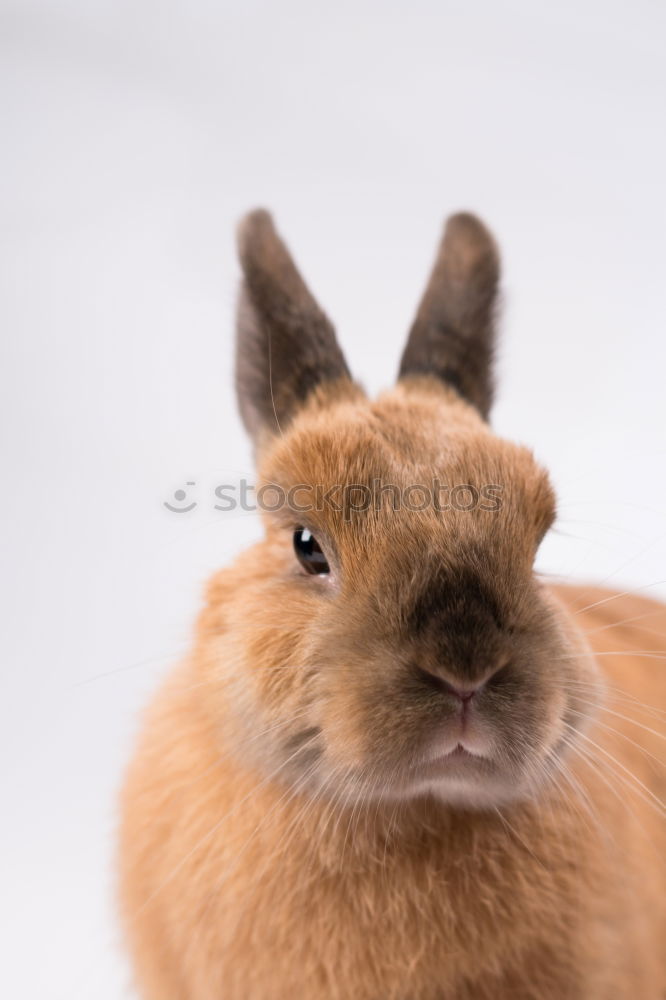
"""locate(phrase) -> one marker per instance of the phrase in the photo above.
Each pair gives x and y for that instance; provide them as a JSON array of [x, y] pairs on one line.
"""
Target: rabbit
[[398, 764]]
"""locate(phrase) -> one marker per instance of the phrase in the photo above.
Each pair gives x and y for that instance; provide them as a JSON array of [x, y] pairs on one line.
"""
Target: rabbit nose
[[462, 693], [465, 694]]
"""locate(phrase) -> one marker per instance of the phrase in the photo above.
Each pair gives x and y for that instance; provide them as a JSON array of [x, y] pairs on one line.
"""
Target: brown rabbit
[[397, 764]]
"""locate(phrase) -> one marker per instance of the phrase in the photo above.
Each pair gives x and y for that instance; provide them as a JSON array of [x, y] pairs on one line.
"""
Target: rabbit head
[[389, 637]]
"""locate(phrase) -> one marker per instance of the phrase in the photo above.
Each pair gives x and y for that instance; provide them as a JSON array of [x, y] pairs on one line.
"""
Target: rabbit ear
[[453, 334], [285, 345]]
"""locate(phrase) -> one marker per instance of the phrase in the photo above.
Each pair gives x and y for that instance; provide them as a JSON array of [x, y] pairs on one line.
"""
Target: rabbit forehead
[[411, 436]]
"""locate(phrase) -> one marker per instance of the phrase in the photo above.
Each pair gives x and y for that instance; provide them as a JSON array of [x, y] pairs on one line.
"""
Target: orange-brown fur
[[242, 881]]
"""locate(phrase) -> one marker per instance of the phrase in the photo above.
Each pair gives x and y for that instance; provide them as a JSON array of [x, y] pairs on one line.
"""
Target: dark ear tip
[[252, 230], [466, 235], [468, 224]]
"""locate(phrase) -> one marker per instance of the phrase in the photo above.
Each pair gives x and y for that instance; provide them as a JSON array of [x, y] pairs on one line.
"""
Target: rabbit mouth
[[461, 752], [459, 759], [464, 775]]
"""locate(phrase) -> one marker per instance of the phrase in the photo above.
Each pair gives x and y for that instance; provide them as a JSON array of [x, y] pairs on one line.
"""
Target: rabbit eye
[[308, 552]]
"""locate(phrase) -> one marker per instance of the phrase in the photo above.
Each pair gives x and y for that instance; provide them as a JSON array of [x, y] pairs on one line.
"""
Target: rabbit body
[[236, 889]]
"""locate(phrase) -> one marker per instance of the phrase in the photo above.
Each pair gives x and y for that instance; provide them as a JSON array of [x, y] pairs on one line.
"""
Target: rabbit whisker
[[651, 797], [615, 597], [617, 732]]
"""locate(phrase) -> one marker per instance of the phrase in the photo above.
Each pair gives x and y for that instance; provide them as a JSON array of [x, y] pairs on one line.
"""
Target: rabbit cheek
[[352, 705]]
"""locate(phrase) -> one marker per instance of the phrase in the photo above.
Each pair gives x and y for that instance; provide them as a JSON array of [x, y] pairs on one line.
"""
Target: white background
[[134, 135]]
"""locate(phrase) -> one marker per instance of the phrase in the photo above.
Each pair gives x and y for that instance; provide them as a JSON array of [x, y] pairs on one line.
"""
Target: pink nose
[[464, 694]]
